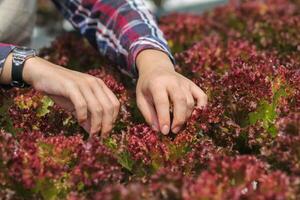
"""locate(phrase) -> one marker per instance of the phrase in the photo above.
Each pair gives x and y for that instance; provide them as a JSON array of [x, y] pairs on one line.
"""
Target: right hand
[[95, 105]]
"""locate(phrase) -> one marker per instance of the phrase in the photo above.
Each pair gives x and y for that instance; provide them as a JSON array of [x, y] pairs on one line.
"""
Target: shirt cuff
[[5, 50], [144, 43]]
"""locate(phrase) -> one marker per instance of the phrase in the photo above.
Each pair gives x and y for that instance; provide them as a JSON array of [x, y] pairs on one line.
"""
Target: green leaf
[[266, 112], [111, 143], [52, 189], [272, 130], [125, 160], [47, 189], [281, 92], [68, 120], [123, 157], [6, 122], [178, 151], [80, 186], [44, 109], [119, 126]]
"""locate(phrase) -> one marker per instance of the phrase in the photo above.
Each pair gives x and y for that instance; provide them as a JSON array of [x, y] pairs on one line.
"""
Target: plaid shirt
[[119, 29]]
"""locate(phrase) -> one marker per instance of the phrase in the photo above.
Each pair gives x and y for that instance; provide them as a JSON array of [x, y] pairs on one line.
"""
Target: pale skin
[[96, 107]]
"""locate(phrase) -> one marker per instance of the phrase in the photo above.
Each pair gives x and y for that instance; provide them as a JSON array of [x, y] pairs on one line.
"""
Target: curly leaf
[[125, 160], [46, 104], [266, 112]]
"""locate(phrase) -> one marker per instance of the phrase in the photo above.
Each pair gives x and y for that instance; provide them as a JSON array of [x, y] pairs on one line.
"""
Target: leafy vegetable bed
[[244, 145]]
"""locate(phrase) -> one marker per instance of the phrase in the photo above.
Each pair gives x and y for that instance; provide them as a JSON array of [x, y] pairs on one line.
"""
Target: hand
[[160, 87], [96, 107]]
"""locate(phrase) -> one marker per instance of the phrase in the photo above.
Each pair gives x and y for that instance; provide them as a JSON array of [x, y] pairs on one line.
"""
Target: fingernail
[[176, 129], [165, 129], [154, 127]]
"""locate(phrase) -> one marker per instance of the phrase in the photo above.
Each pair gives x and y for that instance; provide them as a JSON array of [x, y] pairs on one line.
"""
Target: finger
[[147, 109], [87, 125], [162, 106], [79, 103], [190, 102], [180, 108], [95, 109], [108, 108], [199, 96], [114, 100]]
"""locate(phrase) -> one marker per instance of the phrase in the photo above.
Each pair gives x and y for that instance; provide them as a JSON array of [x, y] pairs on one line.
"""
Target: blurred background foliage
[[50, 24]]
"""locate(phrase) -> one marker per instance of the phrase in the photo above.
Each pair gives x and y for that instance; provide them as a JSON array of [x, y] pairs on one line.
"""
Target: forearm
[[119, 29], [34, 68], [150, 59], [5, 77], [76, 92], [5, 50]]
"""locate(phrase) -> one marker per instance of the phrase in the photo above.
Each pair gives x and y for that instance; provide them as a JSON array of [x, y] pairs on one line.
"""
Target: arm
[[5, 50], [119, 29], [126, 32], [94, 105]]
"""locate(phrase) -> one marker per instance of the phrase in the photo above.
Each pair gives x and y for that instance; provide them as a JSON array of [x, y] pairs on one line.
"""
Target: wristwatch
[[20, 55]]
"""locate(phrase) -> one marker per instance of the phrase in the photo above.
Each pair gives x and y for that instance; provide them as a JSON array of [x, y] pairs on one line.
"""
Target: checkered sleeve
[[5, 49], [119, 29]]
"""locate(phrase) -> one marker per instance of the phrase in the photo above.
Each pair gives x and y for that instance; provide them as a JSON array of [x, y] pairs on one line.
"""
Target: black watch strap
[[17, 75], [20, 55]]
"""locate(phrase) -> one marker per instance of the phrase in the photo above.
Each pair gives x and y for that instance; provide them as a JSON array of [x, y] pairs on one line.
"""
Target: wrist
[[6, 71], [14, 66], [150, 59], [29, 64], [36, 69], [28, 70]]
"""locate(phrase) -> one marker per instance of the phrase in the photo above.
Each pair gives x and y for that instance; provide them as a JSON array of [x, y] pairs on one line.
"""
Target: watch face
[[24, 51]]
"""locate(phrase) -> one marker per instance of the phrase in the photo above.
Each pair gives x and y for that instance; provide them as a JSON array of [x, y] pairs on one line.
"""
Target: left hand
[[160, 86]]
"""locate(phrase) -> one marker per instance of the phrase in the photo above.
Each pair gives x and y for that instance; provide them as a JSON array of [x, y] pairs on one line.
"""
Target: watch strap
[[17, 75], [17, 71], [18, 62]]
